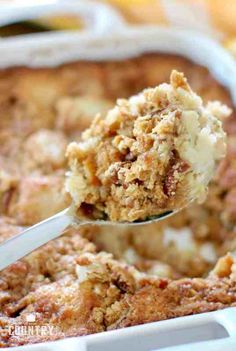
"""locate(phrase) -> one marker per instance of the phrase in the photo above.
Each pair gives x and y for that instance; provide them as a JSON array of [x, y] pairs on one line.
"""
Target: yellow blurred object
[[218, 15], [62, 22], [223, 15], [141, 11], [230, 45]]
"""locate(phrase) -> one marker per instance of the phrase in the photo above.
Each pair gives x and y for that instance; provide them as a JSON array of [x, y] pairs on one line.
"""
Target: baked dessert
[[79, 291], [148, 155], [48, 104]]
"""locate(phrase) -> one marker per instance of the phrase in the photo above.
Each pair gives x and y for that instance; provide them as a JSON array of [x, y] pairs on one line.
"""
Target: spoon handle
[[22, 244]]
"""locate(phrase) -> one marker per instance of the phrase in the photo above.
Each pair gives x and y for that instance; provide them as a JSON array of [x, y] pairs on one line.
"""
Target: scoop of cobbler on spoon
[[152, 153]]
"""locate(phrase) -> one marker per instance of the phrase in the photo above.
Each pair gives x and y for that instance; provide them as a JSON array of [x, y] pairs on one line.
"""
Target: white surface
[[107, 40]]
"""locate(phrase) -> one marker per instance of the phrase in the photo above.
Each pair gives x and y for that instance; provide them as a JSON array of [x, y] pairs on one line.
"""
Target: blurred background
[[214, 17]]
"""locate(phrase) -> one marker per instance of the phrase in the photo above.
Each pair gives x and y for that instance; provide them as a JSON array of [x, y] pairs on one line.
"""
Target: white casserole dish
[[107, 37]]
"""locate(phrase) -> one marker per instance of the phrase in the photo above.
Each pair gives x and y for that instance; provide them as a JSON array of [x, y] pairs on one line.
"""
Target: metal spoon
[[41, 233]]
